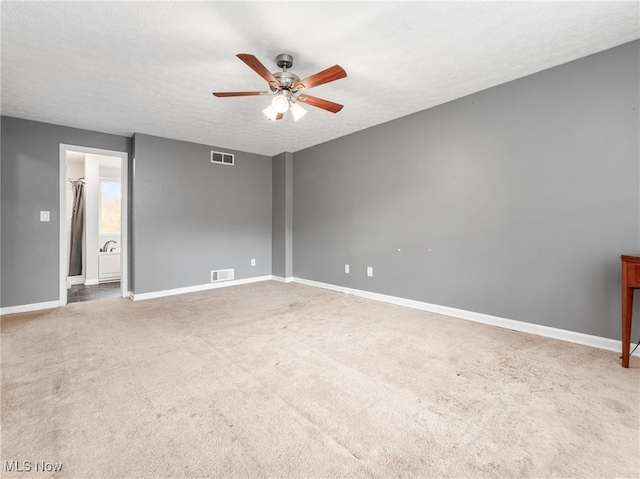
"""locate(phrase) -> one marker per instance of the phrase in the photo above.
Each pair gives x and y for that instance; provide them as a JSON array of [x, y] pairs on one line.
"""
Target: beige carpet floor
[[285, 380]]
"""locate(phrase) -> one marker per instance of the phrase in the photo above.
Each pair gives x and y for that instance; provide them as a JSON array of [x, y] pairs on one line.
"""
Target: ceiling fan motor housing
[[286, 79]]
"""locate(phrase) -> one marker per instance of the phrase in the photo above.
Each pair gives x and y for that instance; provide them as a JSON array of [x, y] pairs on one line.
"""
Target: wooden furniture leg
[[630, 281], [627, 310]]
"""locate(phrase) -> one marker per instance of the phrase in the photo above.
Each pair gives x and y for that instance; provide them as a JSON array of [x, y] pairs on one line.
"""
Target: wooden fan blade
[[320, 103], [239, 93], [279, 116], [258, 67], [325, 76]]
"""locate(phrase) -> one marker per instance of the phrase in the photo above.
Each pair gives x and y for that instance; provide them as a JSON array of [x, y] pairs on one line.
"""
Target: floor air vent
[[222, 275]]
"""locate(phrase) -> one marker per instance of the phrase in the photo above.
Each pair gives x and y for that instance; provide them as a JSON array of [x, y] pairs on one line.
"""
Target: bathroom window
[[110, 210]]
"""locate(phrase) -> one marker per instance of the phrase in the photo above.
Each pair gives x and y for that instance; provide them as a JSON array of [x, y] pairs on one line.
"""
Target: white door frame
[[124, 233]]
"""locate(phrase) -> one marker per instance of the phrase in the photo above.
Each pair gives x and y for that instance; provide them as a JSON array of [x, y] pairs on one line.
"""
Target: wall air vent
[[222, 275], [221, 158]]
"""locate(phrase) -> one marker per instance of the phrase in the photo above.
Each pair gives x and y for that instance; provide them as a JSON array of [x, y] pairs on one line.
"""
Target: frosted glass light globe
[[280, 104]]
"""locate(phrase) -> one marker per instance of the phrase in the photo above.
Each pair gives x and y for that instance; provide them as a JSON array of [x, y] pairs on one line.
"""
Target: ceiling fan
[[287, 88]]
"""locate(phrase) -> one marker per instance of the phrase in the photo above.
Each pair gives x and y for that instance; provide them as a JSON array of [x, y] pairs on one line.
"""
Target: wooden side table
[[630, 281]]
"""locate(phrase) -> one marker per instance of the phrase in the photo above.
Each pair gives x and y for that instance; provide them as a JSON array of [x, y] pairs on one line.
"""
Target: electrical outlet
[[369, 271], [253, 261], [45, 216], [346, 268]]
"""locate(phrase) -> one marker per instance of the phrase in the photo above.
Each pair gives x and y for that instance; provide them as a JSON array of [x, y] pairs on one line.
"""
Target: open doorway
[[93, 224]]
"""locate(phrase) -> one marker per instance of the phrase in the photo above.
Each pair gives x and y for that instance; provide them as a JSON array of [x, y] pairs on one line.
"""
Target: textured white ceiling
[[150, 67]]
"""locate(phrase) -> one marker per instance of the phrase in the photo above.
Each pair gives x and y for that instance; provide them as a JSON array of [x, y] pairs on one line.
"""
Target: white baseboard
[[546, 331], [25, 308], [281, 279], [71, 280], [91, 282], [200, 287]]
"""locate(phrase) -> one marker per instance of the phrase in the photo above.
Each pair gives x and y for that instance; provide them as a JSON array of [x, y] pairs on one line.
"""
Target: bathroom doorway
[[93, 224]]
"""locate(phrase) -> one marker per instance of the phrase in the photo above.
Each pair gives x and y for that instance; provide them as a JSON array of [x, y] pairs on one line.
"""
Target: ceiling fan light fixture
[[280, 103], [270, 113], [297, 111], [286, 87]]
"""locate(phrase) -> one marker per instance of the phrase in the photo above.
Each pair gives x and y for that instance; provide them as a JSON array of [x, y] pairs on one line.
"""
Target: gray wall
[[281, 251], [191, 216], [516, 201], [30, 183]]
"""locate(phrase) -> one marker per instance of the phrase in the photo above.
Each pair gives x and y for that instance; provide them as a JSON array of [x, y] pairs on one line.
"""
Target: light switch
[[45, 216], [369, 271]]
